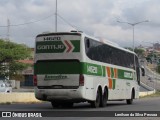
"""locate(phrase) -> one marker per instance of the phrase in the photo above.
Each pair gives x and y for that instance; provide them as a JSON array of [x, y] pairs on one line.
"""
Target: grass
[[6, 103]]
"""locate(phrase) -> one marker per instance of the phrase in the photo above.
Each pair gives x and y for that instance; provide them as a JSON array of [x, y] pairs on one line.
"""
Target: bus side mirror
[[143, 71]]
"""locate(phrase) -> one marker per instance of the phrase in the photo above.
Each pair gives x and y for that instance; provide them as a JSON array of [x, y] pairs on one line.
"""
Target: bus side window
[[88, 43]]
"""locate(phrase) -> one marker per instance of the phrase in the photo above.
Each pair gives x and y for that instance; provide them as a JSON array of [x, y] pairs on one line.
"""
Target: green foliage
[[10, 53], [139, 52]]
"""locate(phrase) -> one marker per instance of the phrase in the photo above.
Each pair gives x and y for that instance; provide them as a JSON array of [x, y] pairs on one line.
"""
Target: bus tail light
[[35, 80], [81, 80]]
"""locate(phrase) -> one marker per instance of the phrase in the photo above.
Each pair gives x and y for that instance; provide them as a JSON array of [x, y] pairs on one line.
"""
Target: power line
[[67, 22], [31, 22], [16, 25]]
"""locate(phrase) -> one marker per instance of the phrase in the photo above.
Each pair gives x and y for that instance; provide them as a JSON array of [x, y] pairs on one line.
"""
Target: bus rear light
[[35, 80], [81, 80]]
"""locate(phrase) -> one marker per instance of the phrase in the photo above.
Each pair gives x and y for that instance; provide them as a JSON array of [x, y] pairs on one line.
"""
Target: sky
[[98, 18]]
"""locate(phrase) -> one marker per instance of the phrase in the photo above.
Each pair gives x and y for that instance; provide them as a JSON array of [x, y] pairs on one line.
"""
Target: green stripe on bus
[[57, 46], [124, 74], [114, 84], [104, 71], [60, 67], [50, 47], [75, 67], [92, 69], [112, 72], [76, 44]]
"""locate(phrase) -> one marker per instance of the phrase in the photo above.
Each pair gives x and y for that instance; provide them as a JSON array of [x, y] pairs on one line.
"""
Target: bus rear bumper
[[59, 94]]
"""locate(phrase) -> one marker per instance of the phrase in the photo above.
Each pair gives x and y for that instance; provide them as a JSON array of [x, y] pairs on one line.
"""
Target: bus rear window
[[57, 67]]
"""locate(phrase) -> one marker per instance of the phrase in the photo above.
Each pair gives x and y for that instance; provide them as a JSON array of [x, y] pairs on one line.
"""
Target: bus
[[73, 67]]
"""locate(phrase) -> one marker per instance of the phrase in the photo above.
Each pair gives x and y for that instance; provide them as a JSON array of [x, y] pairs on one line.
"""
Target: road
[[142, 104], [151, 79], [143, 89]]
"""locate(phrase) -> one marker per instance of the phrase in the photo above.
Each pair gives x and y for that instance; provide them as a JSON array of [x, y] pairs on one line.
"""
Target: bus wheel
[[55, 104], [67, 104], [130, 101], [104, 98], [96, 103]]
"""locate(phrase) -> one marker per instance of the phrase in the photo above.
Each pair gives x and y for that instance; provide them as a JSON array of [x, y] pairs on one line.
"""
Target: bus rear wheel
[[96, 103], [104, 98], [67, 104], [130, 101], [55, 104], [63, 104]]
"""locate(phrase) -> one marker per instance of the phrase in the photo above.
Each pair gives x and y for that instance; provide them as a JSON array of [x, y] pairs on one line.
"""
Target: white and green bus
[[72, 67]]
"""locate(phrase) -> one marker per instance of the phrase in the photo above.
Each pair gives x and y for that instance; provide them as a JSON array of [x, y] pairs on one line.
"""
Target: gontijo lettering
[[48, 47]]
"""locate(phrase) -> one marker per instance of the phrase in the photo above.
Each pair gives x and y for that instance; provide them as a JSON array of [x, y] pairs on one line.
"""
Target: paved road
[[142, 104], [151, 80], [143, 89]]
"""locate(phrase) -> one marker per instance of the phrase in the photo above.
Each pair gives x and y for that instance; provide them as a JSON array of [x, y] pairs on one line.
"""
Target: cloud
[[95, 17]]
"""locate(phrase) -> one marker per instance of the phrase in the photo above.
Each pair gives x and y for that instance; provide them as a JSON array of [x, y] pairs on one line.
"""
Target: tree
[[10, 53], [140, 52]]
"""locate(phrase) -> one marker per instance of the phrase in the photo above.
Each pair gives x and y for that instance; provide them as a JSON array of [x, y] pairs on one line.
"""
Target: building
[[156, 46], [28, 73]]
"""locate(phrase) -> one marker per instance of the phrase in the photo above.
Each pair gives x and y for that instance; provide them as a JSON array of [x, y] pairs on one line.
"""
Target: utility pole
[[56, 18], [133, 25], [8, 29]]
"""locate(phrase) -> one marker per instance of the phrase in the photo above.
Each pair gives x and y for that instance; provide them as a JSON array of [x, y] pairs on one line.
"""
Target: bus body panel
[[62, 83], [59, 94], [55, 60]]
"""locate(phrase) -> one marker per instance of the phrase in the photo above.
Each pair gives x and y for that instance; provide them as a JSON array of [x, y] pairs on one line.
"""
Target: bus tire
[[130, 101], [67, 104], [104, 98], [96, 103], [55, 104]]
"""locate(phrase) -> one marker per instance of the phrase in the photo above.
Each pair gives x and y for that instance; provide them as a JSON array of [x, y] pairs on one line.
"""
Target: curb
[[151, 90], [142, 94], [147, 87], [16, 97]]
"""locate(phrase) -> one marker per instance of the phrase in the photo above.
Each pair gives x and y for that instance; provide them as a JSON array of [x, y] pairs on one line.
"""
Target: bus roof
[[59, 33], [110, 43]]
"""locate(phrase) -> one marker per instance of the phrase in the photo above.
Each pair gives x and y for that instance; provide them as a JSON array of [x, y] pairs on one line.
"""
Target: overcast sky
[[95, 17]]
